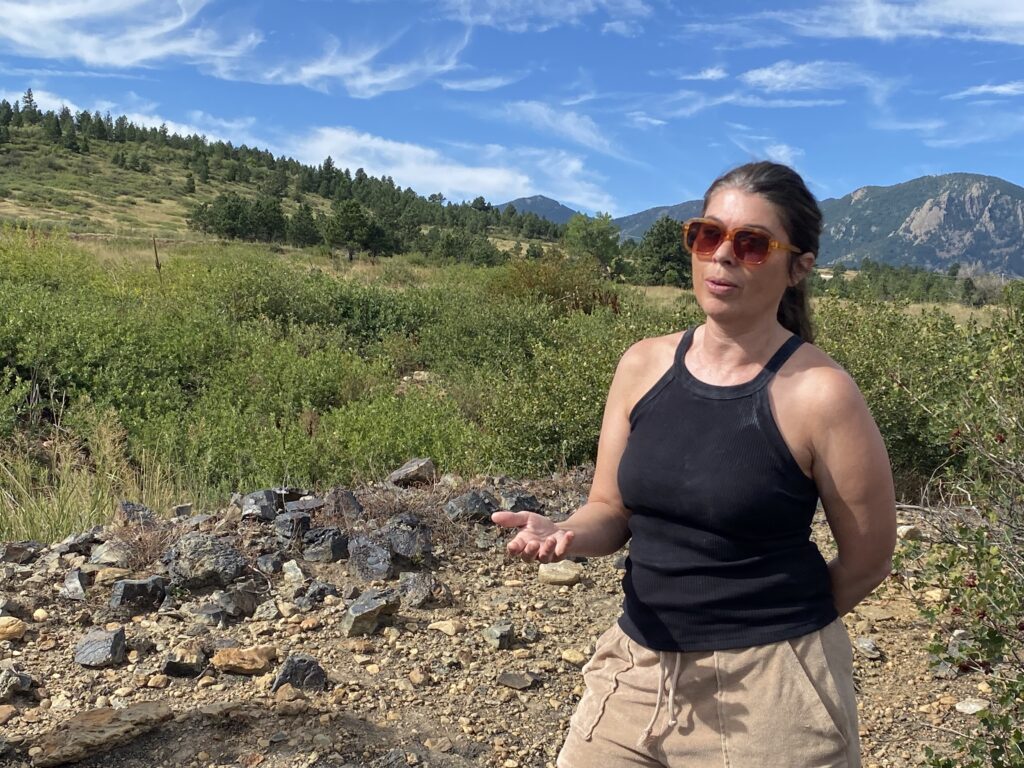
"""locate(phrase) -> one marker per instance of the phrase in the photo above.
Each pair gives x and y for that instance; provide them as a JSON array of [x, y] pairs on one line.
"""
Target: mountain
[[636, 224], [545, 207], [931, 222]]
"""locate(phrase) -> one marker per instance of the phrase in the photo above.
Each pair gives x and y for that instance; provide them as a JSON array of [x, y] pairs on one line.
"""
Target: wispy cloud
[[45, 100], [1015, 88], [689, 103], [992, 20], [785, 76], [363, 74], [622, 28], [734, 34], [580, 129], [925, 126], [117, 33], [538, 15], [643, 120], [492, 83], [61, 73], [709, 73], [979, 129]]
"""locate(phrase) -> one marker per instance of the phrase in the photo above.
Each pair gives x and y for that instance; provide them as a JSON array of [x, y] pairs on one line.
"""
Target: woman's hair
[[781, 186]]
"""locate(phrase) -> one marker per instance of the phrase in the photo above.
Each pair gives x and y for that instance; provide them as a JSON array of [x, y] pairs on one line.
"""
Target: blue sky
[[605, 105]]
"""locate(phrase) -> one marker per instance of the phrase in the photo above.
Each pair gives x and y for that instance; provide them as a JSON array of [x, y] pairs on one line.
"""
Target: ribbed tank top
[[720, 554]]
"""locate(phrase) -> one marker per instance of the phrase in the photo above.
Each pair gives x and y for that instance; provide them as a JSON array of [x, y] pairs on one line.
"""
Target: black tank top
[[720, 553]]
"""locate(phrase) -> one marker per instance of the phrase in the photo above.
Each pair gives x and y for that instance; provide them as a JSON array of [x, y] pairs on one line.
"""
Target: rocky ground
[[263, 644]]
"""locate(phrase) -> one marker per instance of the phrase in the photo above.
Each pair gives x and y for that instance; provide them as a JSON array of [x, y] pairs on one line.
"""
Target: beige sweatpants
[[789, 704]]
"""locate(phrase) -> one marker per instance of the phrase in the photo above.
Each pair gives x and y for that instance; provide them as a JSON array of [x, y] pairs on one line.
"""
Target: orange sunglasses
[[702, 237]]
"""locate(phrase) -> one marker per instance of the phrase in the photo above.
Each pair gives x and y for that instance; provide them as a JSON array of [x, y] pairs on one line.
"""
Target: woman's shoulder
[[818, 378], [650, 352]]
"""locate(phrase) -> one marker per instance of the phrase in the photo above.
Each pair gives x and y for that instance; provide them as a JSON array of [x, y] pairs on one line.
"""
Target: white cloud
[[762, 147], [491, 83], [992, 20], [117, 33], [362, 75], [643, 120], [980, 129], [783, 153], [1015, 88], [496, 172], [573, 126], [786, 76], [45, 100], [709, 73], [924, 125], [538, 15], [622, 28]]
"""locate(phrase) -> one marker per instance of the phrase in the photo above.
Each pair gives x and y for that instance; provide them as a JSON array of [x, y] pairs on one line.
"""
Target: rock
[[516, 500], [181, 510], [9, 607], [867, 647], [98, 731], [158, 682], [449, 627], [315, 594], [74, 586], [936, 595], [909, 533], [6, 713], [291, 526], [290, 701], [137, 595], [40, 615], [500, 635], [474, 506], [574, 657], [409, 539], [414, 472], [114, 554], [13, 681], [259, 505], [267, 611], [308, 504], [101, 648], [212, 615], [131, 513], [324, 545], [186, 660], [109, 575], [302, 672], [562, 573], [239, 601], [269, 564], [518, 680], [418, 588], [293, 573], [972, 706], [12, 628], [364, 614], [341, 504], [245, 661], [19, 552], [200, 560], [369, 559], [943, 670]]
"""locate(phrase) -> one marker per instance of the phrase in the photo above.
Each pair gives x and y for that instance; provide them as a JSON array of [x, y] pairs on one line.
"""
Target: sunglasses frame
[[729, 235]]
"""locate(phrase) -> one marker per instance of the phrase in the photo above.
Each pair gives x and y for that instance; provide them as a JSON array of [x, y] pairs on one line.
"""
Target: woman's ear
[[800, 267]]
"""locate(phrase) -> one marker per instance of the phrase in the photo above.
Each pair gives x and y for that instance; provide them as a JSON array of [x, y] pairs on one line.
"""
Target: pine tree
[[190, 184], [30, 113]]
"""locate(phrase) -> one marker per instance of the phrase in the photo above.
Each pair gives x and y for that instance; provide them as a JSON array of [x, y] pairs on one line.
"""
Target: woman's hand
[[538, 537]]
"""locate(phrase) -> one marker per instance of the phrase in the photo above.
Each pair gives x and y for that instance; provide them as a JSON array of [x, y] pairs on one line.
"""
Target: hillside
[[545, 207], [636, 225]]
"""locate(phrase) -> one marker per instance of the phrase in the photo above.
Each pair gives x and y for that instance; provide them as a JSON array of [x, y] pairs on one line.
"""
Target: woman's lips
[[719, 287]]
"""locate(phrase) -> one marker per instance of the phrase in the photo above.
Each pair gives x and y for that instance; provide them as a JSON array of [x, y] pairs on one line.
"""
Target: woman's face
[[729, 290]]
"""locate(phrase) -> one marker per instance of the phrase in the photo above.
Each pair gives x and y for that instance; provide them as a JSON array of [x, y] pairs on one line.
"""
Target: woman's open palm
[[538, 537]]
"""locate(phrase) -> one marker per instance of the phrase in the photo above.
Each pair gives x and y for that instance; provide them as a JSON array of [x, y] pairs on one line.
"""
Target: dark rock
[[181, 510], [239, 601], [500, 635], [212, 615], [259, 505], [291, 526], [79, 544], [518, 680], [132, 513], [301, 672], [196, 522], [420, 588], [314, 594], [324, 545], [409, 539], [137, 595], [516, 500], [200, 560], [363, 616], [110, 553], [19, 552], [100, 648], [13, 681], [74, 585], [186, 660], [475, 506], [11, 607], [269, 564], [341, 504], [369, 559], [414, 472], [529, 633], [308, 504]]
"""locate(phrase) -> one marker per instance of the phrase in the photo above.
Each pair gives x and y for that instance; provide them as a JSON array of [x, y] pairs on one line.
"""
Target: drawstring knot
[[647, 737]]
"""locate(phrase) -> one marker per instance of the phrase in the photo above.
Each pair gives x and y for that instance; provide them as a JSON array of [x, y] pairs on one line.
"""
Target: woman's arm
[[854, 479]]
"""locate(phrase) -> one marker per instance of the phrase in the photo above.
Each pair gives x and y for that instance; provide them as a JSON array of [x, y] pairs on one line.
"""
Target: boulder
[[97, 731], [302, 672], [341, 504], [137, 595], [324, 545], [369, 559], [201, 560], [474, 506], [414, 472], [101, 648]]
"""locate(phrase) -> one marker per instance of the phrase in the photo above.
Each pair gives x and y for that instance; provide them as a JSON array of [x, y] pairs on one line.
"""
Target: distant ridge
[[635, 225], [545, 207]]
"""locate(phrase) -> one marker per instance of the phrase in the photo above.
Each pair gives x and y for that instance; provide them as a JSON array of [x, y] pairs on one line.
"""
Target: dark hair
[[783, 187]]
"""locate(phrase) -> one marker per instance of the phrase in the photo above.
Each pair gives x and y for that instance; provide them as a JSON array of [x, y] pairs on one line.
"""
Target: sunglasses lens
[[751, 247], [703, 238]]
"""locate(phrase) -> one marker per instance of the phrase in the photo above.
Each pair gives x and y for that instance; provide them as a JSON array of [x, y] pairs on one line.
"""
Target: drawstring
[[646, 737]]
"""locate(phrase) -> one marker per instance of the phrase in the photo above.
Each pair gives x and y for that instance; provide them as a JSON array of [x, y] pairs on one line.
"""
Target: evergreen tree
[[190, 184], [596, 237], [660, 257], [30, 114], [302, 229], [347, 227], [51, 127], [5, 134], [6, 113]]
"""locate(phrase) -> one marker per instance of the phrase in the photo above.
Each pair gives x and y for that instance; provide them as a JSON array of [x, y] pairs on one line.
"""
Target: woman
[[716, 445]]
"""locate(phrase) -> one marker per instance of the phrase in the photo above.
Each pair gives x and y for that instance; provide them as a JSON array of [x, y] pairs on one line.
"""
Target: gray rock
[[500, 635], [13, 681], [79, 544], [267, 611], [212, 615], [269, 564], [259, 505], [972, 706], [137, 595], [341, 503], [409, 539], [238, 601], [516, 500], [74, 586], [301, 672], [200, 560], [369, 559], [520, 681], [529, 633], [291, 526], [314, 594], [308, 504], [363, 616], [132, 513], [419, 588], [181, 510], [110, 553], [324, 545], [100, 648], [867, 647], [293, 572], [414, 472], [186, 660], [11, 607], [474, 506], [19, 552]]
